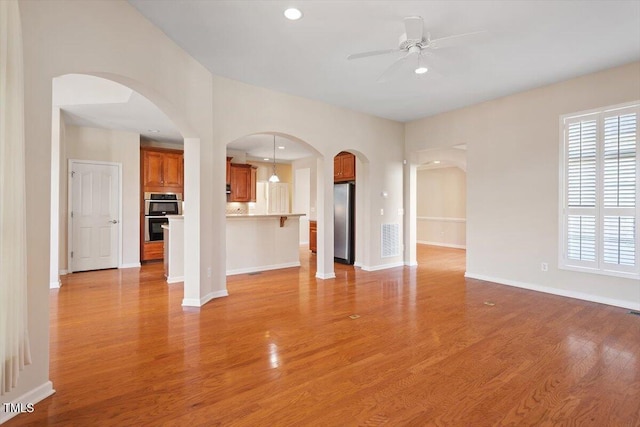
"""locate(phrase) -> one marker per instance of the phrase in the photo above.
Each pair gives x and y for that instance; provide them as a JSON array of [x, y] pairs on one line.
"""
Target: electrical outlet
[[544, 266], [209, 272], [381, 212]]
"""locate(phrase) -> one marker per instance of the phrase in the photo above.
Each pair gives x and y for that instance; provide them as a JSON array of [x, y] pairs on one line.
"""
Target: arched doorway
[[132, 101], [265, 156]]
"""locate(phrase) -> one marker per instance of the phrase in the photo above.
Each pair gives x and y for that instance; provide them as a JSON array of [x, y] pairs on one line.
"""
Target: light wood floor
[[282, 350]]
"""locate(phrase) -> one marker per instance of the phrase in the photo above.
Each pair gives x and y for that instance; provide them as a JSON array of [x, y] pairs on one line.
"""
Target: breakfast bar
[[259, 242]]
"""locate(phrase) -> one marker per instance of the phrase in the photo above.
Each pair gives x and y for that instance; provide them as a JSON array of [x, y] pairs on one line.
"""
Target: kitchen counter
[[260, 242], [264, 215], [174, 249]]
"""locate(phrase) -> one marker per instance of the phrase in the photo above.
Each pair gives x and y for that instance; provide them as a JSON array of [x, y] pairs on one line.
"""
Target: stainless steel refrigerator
[[344, 222]]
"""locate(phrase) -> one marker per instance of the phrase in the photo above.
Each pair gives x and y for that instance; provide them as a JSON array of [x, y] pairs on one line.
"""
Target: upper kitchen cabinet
[[344, 167], [242, 179], [162, 170]]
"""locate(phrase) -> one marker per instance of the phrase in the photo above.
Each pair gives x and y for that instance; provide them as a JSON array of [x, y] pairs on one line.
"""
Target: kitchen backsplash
[[237, 208]]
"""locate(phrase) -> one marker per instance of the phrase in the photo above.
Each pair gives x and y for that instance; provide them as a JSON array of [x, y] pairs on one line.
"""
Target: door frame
[[118, 248]]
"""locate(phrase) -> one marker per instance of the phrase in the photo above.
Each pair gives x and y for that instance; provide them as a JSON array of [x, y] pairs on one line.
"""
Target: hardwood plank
[[282, 350]]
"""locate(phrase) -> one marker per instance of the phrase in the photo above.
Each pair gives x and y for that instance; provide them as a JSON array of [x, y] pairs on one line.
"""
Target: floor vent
[[635, 313], [254, 273], [390, 240]]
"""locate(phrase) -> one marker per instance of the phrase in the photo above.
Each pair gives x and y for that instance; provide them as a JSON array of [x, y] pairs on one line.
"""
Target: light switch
[[381, 212]]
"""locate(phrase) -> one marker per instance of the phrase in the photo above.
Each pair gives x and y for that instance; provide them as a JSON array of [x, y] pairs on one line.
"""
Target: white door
[[94, 216], [278, 199]]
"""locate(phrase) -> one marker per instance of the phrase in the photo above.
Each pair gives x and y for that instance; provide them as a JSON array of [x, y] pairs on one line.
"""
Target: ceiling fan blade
[[414, 28], [394, 68], [451, 40], [372, 53]]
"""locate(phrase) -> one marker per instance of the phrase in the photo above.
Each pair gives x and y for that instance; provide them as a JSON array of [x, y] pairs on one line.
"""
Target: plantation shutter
[[620, 192], [600, 191], [581, 136]]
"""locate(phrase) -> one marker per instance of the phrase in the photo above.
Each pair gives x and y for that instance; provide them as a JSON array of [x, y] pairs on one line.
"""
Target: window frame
[[599, 210]]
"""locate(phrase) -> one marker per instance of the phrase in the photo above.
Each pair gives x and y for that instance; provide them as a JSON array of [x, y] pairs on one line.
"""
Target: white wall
[[83, 143], [513, 177], [441, 207]]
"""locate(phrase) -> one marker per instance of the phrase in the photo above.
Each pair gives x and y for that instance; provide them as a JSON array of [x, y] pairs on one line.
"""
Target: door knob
[[114, 221]]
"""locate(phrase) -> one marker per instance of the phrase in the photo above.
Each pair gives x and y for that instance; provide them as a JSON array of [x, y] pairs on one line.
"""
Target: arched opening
[[253, 242], [440, 199], [357, 182], [105, 119]]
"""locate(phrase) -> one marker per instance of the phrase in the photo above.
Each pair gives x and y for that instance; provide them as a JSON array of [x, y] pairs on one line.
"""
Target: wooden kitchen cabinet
[[162, 170], [242, 178], [313, 236], [344, 167]]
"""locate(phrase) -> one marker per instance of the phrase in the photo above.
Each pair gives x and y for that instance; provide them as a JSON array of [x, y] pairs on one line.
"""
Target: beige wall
[[111, 40], [105, 145], [94, 37], [441, 207], [513, 177]]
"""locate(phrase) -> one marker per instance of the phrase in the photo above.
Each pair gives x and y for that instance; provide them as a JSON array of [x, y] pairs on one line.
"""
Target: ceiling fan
[[415, 42]]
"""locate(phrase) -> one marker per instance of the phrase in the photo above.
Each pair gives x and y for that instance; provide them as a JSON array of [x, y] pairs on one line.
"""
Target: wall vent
[[390, 240]]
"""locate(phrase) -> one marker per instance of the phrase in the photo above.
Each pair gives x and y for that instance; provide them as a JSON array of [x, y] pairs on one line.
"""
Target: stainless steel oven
[[153, 228], [158, 204]]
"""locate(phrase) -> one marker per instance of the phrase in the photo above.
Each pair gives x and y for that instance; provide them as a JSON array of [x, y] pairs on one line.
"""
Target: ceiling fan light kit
[[415, 42], [292, 14]]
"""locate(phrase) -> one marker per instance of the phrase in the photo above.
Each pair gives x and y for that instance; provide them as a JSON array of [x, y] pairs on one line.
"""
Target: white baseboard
[[34, 396], [63, 272], [175, 279], [444, 245], [262, 268], [383, 266], [131, 265], [325, 276], [357, 264], [555, 291], [195, 302], [54, 285], [411, 264]]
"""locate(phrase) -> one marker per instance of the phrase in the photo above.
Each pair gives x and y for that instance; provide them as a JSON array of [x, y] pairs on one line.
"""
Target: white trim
[[195, 302], [63, 272], [440, 219], [175, 279], [598, 266], [411, 264], [357, 264], [262, 268], [383, 266], [445, 245], [325, 276], [131, 265], [34, 396], [555, 291], [54, 285]]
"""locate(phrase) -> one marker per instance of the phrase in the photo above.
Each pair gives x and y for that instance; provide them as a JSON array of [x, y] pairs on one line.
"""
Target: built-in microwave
[[157, 204]]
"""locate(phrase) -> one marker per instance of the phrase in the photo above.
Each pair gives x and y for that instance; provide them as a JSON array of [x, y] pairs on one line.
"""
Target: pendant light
[[274, 176]]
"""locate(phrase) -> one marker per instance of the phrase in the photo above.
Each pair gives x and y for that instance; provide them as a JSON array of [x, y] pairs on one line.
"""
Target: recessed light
[[436, 162], [266, 159], [421, 70], [292, 14], [153, 130], [281, 147]]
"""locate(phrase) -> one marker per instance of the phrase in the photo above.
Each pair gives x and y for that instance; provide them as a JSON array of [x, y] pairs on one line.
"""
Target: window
[[600, 183]]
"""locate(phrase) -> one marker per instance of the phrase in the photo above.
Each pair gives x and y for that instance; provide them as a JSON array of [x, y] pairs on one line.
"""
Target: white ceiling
[[526, 44]]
